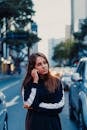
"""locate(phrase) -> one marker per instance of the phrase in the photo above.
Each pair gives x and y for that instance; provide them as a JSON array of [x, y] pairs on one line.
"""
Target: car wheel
[[5, 124], [81, 122]]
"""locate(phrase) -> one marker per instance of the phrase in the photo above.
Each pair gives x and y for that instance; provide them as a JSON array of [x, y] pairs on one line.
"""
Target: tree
[[20, 39], [19, 13], [62, 52], [81, 39]]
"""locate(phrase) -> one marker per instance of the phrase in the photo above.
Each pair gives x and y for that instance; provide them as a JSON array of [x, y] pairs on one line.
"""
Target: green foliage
[[83, 31], [80, 37], [70, 49], [23, 7], [63, 51], [21, 11], [33, 38], [84, 27], [29, 40]]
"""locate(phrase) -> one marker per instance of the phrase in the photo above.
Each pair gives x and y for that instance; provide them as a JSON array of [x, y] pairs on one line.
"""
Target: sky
[[51, 17]]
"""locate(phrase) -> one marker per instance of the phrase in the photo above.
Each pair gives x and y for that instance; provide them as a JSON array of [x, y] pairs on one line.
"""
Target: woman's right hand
[[34, 74]]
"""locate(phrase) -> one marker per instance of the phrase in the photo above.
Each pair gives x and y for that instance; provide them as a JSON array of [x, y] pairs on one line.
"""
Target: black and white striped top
[[39, 98]]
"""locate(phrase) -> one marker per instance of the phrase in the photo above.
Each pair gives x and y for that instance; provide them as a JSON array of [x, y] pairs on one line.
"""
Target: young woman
[[43, 95]]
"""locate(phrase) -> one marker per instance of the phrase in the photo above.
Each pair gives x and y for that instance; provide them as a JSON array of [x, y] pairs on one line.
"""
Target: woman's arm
[[32, 99], [30, 92], [53, 105], [29, 95], [59, 101]]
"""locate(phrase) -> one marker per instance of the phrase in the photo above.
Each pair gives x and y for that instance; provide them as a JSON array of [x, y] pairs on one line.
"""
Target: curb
[[4, 77]]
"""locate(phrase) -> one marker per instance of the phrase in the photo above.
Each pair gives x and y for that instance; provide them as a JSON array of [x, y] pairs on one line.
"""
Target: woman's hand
[[34, 74], [27, 106]]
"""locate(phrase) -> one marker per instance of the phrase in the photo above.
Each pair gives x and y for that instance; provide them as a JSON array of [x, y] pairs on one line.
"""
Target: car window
[[81, 69]]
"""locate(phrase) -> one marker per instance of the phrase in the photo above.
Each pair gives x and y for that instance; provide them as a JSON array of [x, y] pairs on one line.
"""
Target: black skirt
[[40, 121]]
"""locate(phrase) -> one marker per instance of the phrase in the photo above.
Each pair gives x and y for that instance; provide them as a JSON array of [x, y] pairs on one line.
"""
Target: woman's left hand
[[27, 106]]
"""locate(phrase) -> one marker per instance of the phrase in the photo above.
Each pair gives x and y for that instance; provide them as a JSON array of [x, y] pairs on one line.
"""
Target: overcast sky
[[51, 17]]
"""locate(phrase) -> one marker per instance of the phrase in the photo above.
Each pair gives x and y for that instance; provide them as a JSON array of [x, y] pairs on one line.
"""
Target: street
[[16, 113], [38, 42], [66, 123]]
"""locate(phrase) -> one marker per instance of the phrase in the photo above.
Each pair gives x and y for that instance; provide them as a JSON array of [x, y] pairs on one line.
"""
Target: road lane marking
[[10, 85], [13, 101]]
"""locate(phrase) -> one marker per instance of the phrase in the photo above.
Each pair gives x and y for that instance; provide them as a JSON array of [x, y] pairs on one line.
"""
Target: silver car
[[66, 80], [3, 113], [78, 95]]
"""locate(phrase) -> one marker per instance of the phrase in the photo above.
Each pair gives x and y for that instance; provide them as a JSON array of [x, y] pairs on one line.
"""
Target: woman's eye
[[44, 62], [39, 64]]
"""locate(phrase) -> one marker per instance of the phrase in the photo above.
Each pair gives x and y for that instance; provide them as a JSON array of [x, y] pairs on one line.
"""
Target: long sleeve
[[57, 103], [30, 95], [38, 97]]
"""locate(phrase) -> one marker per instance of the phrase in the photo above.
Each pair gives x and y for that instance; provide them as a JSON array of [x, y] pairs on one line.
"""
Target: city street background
[[11, 87]]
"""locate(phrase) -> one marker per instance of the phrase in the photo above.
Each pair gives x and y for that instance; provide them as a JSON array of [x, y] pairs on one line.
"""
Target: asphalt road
[[16, 113], [67, 124]]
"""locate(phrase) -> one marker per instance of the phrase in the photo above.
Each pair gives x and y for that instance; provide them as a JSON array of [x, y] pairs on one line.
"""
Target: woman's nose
[[43, 65]]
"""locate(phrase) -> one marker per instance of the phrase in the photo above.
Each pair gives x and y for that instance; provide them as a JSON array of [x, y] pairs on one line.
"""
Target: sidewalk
[[4, 76]]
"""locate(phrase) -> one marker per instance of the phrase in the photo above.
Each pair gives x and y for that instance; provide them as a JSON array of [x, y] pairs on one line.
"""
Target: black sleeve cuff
[[34, 85]]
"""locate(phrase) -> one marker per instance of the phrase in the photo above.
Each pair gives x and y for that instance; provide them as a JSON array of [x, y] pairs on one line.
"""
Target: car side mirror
[[76, 77]]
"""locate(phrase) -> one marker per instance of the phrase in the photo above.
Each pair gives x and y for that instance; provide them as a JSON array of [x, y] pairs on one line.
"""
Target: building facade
[[78, 11], [67, 32], [51, 44]]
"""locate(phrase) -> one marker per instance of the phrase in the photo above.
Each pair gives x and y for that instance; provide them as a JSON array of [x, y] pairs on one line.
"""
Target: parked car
[[3, 113], [78, 95], [66, 80]]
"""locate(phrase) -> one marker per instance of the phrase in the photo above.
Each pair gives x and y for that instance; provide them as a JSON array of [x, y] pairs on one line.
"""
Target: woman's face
[[41, 65]]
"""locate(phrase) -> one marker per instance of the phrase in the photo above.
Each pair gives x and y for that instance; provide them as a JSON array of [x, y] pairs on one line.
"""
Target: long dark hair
[[51, 82]]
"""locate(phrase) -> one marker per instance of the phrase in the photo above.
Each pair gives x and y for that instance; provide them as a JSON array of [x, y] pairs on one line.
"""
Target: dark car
[[78, 95], [3, 113]]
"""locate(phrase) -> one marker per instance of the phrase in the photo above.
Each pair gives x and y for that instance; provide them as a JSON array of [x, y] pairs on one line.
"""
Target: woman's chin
[[45, 73]]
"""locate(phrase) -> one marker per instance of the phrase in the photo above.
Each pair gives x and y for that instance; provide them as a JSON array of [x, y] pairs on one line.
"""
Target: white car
[[78, 95]]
